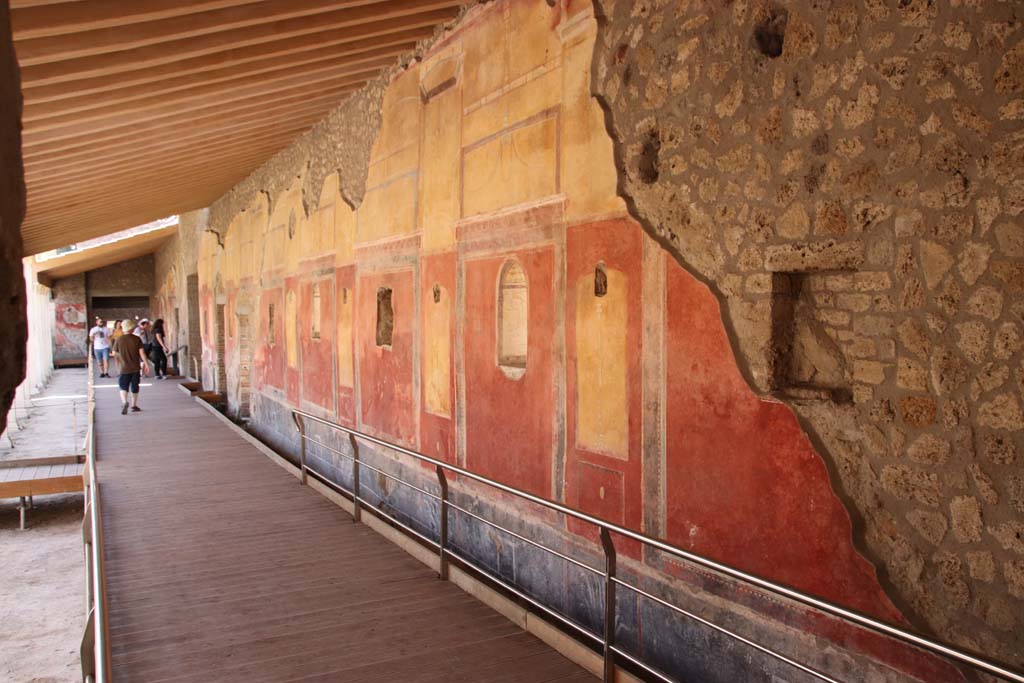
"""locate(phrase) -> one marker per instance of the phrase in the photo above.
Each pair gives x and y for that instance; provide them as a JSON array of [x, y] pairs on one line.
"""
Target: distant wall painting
[[491, 303], [70, 332]]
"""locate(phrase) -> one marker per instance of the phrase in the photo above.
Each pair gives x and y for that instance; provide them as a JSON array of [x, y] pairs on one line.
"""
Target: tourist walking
[[132, 360], [144, 332], [99, 335], [160, 349]]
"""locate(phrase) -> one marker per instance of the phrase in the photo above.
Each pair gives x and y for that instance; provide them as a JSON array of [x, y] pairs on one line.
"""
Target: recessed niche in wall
[[271, 338], [385, 317], [600, 281], [315, 313], [513, 296], [807, 364]]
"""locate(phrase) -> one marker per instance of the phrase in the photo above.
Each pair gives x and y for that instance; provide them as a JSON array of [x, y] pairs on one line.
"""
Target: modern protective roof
[[136, 109], [75, 262]]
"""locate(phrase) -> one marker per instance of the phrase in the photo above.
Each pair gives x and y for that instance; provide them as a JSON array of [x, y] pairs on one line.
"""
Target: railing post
[[609, 605], [300, 424], [443, 524], [356, 512]]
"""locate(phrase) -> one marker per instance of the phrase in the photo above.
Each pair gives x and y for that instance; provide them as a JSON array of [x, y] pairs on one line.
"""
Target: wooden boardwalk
[[222, 568]]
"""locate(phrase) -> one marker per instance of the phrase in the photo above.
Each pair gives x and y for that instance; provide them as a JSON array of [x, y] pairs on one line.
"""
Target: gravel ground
[[42, 569]]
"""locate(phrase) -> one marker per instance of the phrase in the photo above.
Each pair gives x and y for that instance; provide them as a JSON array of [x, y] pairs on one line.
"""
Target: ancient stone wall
[[847, 177], [12, 210]]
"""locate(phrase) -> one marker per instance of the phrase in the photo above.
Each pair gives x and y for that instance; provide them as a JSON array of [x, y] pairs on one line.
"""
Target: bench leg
[[21, 511]]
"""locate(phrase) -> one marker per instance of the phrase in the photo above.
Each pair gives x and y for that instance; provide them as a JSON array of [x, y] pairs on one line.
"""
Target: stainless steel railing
[[612, 653], [95, 647]]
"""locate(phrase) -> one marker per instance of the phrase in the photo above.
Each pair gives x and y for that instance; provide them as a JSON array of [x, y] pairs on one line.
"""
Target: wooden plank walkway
[[221, 567]]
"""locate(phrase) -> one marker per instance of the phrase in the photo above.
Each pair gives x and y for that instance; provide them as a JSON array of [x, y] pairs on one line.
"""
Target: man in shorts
[[99, 335], [132, 359]]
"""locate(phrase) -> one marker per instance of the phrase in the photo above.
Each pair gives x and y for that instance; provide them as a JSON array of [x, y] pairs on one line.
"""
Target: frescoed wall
[[491, 303]]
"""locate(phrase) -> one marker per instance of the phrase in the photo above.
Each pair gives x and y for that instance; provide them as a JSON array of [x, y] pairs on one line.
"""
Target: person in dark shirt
[[132, 360]]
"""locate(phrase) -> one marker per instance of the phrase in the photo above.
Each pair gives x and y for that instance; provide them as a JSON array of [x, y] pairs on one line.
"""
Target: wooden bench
[[30, 477]]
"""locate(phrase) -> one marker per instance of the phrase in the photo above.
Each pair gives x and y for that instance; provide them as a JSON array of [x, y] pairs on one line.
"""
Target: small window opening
[[437, 293], [385, 317], [600, 280], [512, 320], [315, 331], [270, 325]]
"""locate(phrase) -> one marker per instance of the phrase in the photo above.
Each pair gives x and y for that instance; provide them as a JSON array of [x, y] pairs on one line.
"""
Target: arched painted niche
[[513, 321]]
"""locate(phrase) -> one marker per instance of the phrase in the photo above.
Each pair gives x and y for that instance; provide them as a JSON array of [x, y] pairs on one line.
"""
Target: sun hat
[[127, 325]]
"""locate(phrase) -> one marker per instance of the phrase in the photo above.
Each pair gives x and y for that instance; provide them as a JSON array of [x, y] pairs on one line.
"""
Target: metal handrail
[[95, 650], [611, 580]]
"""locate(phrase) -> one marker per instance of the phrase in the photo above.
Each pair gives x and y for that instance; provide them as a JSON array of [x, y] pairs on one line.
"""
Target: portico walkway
[[221, 567]]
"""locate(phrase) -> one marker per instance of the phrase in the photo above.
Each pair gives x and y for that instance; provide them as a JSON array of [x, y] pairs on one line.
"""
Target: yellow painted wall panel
[[437, 361], [533, 35], [346, 359], [515, 167], [602, 415], [388, 210], [589, 178], [518, 104], [440, 171], [486, 48]]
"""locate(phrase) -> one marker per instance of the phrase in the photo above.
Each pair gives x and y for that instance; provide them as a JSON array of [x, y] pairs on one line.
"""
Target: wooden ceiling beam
[[198, 133], [166, 167], [200, 85], [241, 110], [170, 150], [291, 51], [172, 115], [115, 38], [228, 91], [39, 21], [404, 14]]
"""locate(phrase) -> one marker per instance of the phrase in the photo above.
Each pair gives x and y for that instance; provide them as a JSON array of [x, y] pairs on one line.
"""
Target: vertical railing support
[[443, 525], [356, 512], [609, 605], [300, 424]]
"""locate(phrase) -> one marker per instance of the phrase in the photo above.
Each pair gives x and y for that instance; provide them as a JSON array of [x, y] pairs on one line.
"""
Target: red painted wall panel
[[345, 284], [291, 371], [268, 356], [618, 244], [386, 374], [743, 483], [317, 354], [509, 423], [437, 432]]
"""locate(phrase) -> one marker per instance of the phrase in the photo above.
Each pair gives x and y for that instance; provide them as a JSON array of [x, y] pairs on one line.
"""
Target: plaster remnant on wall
[[846, 178]]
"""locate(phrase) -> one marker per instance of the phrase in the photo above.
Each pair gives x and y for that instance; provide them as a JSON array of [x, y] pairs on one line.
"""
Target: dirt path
[[42, 569]]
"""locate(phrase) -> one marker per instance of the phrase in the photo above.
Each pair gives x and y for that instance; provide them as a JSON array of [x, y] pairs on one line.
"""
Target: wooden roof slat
[[199, 85], [172, 150], [290, 51], [163, 162], [238, 108], [197, 132], [127, 36], [134, 134], [43, 19], [404, 14], [181, 111]]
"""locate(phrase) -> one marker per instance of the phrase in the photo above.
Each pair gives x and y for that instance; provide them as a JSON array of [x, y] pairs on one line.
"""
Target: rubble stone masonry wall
[[848, 178], [14, 330]]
